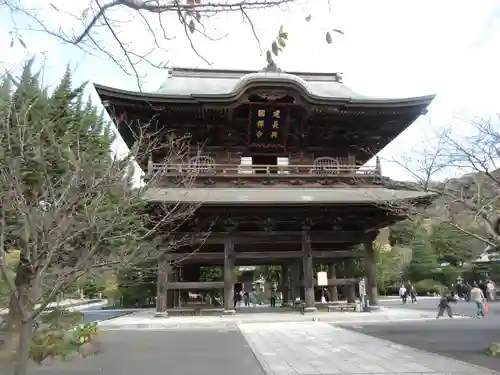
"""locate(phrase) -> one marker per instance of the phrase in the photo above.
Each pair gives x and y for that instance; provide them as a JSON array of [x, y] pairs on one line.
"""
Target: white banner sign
[[322, 279]]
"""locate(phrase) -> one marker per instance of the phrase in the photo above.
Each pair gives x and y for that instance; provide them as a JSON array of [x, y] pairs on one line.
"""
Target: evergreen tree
[[453, 246], [424, 261], [67, 204]]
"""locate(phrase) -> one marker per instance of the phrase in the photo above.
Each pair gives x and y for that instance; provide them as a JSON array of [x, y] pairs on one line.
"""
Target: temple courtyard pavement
[[396, 340]]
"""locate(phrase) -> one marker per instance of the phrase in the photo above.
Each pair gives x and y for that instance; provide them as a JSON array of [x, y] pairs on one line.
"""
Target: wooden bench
[[211, 311], [343, 307], [182, 311]]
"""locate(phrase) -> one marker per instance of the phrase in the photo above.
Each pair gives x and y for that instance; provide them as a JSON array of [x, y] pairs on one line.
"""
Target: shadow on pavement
[[462, 339]]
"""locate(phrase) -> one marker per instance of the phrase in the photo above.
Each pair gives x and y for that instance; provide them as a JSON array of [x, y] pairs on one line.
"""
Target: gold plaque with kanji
[[274, 134], [261, 113], [276, 124], [260, 123], [277, 113]]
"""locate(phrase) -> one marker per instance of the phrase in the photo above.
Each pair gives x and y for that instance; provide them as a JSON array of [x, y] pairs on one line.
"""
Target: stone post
[[285, 285], [332, 289], [229, 277], [371, 271], [308, 273], [163, 274]]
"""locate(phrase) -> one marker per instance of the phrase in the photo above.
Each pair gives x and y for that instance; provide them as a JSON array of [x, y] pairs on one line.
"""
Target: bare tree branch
[[95, 25], [470, 203]]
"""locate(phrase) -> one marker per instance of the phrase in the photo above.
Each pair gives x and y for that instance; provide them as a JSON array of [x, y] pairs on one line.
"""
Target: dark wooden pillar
[[162, 277], [295, 279], [332, 289], [350, 290], [229, 277], [371, 271], [308, 272], [285, 285]]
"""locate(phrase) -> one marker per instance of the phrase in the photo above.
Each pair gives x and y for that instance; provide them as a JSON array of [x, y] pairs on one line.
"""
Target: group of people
[[408, 291], [488, 288], [474, 294], [252, 298], [479, 293]]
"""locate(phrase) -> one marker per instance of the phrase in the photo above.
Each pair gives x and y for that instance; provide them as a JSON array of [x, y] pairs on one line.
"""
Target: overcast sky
[[390, 49]]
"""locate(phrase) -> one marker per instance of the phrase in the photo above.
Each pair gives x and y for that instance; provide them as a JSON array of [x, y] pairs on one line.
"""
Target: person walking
[[403, 294], [467, 290], [413, 293], [273, 297], [253, 297], [477, 295], [444, 304], [490, 290]]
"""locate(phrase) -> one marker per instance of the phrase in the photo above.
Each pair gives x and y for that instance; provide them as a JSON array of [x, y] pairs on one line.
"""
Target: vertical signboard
[[267, 125]]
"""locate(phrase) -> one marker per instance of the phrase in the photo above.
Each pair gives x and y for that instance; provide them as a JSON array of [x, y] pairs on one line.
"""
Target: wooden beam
[[272, 255], [200, 285], [336, 282], [195, 285], [277, 237]]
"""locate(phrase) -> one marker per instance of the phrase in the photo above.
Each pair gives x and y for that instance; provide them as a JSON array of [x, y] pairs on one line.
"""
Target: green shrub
[[429, 286], [61, 334], [84, 333], [48, 342], [493, 350]]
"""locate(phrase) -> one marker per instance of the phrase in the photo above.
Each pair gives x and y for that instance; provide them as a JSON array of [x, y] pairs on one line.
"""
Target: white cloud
[[390, 48]]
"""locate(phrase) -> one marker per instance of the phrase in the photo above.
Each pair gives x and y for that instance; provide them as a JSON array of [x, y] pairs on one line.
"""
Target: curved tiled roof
[[199, 85], [231, 84]]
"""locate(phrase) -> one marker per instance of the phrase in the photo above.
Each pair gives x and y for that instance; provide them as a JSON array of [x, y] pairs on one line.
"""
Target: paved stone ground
[[320, 349], [464, 339], [222, 352]]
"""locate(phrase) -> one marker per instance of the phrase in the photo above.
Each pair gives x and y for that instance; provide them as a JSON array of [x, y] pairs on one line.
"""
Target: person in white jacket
[[403, 294]]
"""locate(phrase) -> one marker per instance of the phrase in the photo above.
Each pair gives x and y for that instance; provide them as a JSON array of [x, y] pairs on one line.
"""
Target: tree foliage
[[470, 202], [424, 261], [452, 246], [391, 266], [68, 204], [438, 248]]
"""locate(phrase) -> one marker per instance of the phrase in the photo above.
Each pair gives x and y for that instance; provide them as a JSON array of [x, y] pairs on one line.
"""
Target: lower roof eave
[[283, 196]]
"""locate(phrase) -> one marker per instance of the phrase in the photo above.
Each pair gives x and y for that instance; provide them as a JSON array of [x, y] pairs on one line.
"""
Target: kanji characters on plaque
[[265, 126]]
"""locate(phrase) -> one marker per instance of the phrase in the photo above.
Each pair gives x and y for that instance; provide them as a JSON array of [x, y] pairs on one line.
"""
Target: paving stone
[[316, 348]]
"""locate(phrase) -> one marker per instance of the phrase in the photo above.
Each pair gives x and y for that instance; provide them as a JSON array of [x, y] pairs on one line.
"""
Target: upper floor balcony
[[323, 172]]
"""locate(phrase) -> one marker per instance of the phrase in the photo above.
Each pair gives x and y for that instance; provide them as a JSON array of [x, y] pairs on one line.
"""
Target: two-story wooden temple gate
[[283, 228], [306, 195]]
